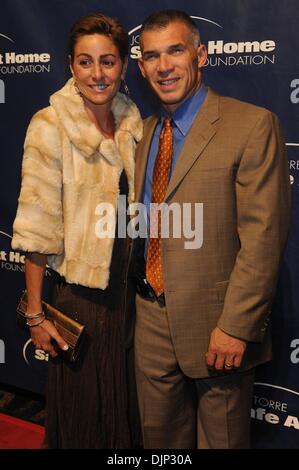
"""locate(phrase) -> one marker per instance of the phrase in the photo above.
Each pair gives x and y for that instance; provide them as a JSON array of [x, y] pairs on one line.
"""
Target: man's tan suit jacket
[[233, 162]]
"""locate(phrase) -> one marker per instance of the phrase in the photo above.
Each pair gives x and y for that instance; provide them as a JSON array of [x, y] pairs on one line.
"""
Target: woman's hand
[[44, 332], [43, 336]]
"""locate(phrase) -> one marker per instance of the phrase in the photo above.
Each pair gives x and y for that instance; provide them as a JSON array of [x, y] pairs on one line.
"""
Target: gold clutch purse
[[71, 330]]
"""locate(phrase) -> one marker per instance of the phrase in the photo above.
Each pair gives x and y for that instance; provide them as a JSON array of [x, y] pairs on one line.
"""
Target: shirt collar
[[184, 116]]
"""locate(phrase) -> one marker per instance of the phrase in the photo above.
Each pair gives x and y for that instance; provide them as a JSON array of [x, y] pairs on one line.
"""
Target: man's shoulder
[[233, 106], [150, 119], [149, 123], [238, 114]]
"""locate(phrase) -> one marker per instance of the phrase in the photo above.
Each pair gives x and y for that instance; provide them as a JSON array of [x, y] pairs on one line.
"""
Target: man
[[202, 313]]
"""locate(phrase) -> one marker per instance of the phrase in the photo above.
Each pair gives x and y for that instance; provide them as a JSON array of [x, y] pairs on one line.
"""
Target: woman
[[79, 153]]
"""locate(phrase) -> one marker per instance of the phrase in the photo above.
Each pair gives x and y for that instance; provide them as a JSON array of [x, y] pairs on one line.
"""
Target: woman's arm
[[43, 334], [35, 266]]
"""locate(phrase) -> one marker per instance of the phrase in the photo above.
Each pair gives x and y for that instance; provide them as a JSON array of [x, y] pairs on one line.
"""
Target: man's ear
[[202, 55], [141, 68], [124, 69]]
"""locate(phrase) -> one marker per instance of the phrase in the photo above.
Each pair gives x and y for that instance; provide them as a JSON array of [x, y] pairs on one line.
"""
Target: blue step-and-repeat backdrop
[[253, 50]]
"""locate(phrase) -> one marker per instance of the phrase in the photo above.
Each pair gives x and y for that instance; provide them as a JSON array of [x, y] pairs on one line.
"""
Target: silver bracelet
[[35, 315], [35, 324]]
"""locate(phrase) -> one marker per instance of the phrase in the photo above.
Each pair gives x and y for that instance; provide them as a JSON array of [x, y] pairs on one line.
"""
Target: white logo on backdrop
[[294, 96], [6, 37], [294, 356], [249, 52], [12, 62], [37, 354], [194, 17], [2, 352], [2, 92], [293, 163], [11, 260], [273, 411]]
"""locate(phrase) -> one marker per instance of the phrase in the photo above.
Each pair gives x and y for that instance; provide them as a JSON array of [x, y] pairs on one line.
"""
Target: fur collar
[[70, 109]]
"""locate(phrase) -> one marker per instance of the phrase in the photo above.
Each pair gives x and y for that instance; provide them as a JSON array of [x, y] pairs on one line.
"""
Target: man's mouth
[[168, 81]]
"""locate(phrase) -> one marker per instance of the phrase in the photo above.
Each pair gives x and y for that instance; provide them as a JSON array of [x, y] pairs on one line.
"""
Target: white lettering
[[274, 405], [13, 58], [271, 418], [16, 257], [230, 47], [294, 164], [267, 46], [105, 227], [230, 61], [11, 69], [292, 422], [175, 210], [219, 47], [197, 233], [2, 92], [135, 52], [261, 415], [137, 226], [294, 97], [2, 352], [258, 413], [41, 355], [294, 357], [119, 460]]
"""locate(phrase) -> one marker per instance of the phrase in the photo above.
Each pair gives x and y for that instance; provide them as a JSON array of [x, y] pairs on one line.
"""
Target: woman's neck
[[102, 118]]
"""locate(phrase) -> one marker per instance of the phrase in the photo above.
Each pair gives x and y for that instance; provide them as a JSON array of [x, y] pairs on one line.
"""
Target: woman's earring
[[126, 88]]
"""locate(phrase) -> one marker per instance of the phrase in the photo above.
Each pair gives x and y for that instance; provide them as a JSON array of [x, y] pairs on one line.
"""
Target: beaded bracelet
[[35, 324]]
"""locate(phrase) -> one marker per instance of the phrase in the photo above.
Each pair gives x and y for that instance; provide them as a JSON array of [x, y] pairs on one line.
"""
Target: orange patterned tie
[[161, 173]]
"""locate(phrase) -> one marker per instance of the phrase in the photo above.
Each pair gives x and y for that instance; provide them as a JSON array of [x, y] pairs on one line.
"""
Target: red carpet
[[18, 434]]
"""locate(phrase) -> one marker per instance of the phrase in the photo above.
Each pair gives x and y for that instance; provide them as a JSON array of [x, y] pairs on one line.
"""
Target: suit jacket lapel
[[202, 131], [142, 153]]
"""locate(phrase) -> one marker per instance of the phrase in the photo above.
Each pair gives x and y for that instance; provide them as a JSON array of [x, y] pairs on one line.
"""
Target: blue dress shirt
[[182, 120]]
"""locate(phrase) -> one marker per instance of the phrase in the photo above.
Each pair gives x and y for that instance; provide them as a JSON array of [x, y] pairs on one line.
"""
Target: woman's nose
[[97, 72]]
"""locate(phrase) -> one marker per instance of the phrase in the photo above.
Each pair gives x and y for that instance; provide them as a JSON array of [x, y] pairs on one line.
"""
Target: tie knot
[[167, 121]]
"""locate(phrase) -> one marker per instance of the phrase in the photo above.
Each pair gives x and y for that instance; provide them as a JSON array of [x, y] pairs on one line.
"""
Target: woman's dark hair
[[99, 24]]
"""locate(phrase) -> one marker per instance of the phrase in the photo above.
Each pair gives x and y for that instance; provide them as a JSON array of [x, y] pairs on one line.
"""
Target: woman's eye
[[107, 63], [84, 62]]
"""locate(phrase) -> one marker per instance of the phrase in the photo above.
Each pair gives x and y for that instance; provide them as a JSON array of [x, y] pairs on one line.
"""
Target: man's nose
[[165, 65]]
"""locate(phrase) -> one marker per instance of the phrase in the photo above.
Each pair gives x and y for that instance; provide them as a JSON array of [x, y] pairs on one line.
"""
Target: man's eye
[[150, 57], [176, 50]]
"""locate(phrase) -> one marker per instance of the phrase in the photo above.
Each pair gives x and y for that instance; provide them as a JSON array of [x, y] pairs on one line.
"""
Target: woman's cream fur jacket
[[68, 169]]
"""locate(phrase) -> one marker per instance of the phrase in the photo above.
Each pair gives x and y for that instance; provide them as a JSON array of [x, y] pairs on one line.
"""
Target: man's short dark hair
[[163, 18]]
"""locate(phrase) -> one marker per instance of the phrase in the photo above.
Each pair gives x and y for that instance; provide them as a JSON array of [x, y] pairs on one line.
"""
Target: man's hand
[[225, 352]]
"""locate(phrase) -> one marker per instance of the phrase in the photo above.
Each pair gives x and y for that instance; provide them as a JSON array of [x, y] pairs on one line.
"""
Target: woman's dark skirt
[[92, 404]]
